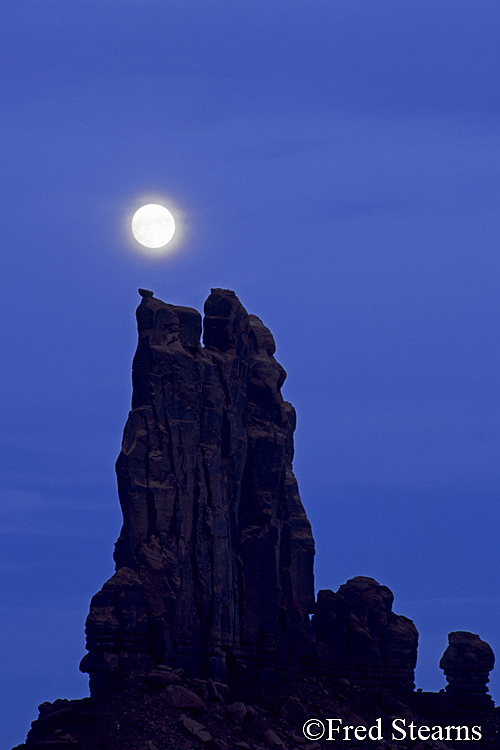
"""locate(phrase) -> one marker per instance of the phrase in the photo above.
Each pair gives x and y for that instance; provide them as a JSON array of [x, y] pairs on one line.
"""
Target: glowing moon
[[153, 225]]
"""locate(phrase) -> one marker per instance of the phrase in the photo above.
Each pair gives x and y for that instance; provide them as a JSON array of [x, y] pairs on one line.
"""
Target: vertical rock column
[[215, 558]]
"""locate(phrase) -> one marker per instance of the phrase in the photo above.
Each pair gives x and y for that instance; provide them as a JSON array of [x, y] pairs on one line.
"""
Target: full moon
[[153, 225]]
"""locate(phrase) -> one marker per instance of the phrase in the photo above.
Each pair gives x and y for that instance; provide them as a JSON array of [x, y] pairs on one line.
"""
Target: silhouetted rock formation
[[210, 602], [215, 558], [467, 663], [363, 639]]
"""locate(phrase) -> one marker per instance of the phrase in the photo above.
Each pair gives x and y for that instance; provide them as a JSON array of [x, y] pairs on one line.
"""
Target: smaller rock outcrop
[[363, 639], [467, 663]]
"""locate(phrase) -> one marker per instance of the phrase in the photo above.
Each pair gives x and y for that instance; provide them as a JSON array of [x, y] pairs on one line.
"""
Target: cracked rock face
[[214, 563]]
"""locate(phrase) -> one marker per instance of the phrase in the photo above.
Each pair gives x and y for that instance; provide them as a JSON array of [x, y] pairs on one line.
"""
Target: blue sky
[[335, 163]]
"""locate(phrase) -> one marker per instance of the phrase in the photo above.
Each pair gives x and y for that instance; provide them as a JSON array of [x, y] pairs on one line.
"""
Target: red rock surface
[[215, 558]]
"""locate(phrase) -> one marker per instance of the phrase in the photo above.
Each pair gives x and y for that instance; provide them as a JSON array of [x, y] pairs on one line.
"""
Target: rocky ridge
[[204, 635]]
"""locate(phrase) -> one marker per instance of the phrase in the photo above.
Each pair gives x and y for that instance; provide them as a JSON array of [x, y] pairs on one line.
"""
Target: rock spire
[[214, 563]]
